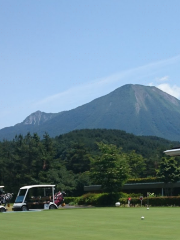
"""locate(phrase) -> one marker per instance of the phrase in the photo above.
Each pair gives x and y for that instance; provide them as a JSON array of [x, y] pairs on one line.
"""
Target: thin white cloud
[[84, 93], [172, 90], [163, 79], [88, 90]]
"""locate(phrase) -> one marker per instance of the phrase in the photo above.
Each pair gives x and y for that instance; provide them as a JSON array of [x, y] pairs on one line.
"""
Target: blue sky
[[56, 55]]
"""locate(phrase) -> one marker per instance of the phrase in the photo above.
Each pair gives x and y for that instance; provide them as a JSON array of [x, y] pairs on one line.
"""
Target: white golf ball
[[147, 208], [117, 204], [142, 218]]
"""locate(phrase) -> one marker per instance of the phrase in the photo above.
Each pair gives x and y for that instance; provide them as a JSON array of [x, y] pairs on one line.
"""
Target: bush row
[[154, 201], [145, 180], [105, 199], [95, 199]]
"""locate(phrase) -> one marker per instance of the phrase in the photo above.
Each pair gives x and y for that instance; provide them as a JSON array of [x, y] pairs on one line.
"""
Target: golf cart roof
[[36, 186], [173, 152], [1, 186]]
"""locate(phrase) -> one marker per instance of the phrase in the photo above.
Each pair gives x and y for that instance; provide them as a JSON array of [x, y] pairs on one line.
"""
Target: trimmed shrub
[[145, 180], [68, 200], [99, 199], [106, 199], [154, 201]]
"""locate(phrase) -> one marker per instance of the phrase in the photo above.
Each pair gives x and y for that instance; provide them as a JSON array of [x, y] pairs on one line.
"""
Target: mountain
[[137, 109]]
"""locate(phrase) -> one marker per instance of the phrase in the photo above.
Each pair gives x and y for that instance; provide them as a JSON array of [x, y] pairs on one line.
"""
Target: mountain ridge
[[137, 109]]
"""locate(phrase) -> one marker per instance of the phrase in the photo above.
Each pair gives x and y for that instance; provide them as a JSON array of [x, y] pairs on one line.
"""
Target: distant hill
[[149, 147], [140, 110]]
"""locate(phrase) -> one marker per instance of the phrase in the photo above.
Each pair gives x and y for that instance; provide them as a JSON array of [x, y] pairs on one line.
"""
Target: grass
[[92, 223]]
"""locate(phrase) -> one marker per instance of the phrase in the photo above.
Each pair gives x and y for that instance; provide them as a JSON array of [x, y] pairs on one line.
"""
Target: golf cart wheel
[[52, 206], [2, 209], [24, 208]]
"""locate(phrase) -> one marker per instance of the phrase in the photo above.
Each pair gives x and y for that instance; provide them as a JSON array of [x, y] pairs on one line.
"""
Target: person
[[129, 201]]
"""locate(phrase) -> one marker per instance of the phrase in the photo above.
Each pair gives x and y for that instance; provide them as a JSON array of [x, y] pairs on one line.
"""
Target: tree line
[[82, 157]]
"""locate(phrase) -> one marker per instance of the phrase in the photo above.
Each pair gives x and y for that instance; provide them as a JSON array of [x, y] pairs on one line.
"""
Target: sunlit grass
[[92, 223]]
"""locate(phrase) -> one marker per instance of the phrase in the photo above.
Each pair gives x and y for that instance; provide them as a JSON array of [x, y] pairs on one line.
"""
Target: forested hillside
[[66, 159]]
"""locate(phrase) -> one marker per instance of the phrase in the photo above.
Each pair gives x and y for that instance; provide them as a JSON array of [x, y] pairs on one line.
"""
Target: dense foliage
[[168, 170], [110, 169], [66, 160]]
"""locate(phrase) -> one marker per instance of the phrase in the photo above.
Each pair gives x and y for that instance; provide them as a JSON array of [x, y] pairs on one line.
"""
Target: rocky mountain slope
[[137, 109]]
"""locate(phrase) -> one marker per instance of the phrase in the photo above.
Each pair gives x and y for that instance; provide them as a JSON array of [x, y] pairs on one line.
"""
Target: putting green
[[93, 223]]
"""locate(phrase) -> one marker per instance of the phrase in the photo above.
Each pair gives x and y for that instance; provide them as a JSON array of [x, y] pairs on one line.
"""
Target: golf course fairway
[[92, 223]]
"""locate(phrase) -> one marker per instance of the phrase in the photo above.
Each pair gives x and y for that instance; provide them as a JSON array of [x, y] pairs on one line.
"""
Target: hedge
[[154, 201], [145, 180], [96, 199], [105, 199]]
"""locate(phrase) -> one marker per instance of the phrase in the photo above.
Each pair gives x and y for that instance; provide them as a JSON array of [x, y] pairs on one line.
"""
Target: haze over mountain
[[141, 110]]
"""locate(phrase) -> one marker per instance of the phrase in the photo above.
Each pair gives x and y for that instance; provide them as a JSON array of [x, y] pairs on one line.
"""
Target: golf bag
[[59, 198], [5, 198]]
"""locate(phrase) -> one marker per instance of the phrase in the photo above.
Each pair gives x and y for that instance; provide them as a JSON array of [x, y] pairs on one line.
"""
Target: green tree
[[82, 180], [63, 179], [169, 170], [137, 164], [48, 151], [77, 159], [110, 169]]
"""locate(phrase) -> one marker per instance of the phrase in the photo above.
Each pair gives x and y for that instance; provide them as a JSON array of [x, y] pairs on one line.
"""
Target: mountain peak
[[37, 118], [137, 109]]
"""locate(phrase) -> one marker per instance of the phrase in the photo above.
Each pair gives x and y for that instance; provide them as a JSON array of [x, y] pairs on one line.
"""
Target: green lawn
[[92, 224]]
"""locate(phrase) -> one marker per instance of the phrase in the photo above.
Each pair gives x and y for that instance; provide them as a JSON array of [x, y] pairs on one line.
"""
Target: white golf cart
[[2, 208], [35, 197]]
